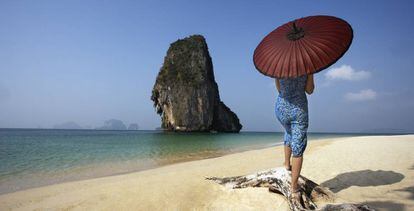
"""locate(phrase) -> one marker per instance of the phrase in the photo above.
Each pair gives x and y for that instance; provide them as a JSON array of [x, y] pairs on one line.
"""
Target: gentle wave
[[33, 157]]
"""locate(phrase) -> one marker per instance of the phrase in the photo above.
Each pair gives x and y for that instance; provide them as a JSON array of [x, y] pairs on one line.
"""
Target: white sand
[[376, 170]]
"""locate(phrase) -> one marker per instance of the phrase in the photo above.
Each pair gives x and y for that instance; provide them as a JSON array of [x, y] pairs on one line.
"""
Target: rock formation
[[133, 126], [68, 126], [113, 124], [185, 93]]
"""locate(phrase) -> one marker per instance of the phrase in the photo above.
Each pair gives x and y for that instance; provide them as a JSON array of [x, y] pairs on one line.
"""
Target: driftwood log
[[278, 181]]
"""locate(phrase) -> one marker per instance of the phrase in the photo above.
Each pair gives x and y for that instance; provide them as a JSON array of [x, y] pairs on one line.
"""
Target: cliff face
[[185, 93]]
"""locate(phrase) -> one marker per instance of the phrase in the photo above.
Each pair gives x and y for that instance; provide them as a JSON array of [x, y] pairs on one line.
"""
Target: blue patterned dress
[[292, 112]]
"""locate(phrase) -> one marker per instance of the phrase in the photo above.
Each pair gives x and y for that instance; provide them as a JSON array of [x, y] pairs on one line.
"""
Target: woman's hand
[[310, 86], [277, 84]]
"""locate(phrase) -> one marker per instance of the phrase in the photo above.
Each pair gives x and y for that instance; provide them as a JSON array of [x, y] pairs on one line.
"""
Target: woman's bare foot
[[296, 196], [288, 167]]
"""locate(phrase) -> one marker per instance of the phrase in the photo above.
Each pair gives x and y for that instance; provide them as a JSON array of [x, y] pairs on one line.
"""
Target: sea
[[38, 157]]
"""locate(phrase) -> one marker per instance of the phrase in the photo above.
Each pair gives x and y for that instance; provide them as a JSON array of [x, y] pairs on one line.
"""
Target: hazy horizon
[[90, 61]]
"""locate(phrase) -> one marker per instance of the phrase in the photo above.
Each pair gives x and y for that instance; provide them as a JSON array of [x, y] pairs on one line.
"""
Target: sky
[[90, 61]]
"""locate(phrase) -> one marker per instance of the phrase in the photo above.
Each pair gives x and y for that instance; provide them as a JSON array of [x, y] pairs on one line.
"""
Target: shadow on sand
[[362, 178], [392, 205], [385, 205], [409, 190]]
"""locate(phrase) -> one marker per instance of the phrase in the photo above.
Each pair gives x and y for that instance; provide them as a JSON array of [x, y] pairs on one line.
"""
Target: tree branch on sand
[[278, 181]]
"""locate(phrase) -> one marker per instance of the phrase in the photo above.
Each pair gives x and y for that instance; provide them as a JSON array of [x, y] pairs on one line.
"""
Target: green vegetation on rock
[[185, 93], [176, 66]]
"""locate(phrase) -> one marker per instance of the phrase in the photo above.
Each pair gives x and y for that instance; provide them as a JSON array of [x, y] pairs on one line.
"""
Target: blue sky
[[89, 61]]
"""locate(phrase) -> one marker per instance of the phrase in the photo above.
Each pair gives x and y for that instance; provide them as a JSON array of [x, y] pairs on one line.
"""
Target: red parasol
[[303, 46]]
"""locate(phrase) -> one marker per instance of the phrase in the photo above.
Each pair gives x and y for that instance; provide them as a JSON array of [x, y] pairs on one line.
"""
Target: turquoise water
[[31, 157]]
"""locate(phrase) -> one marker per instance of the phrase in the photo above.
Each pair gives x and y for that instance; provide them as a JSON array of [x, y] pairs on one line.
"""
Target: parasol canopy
[[303, 46]]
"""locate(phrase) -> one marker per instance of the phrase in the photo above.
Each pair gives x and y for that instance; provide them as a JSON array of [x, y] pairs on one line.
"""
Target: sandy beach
[[375, 170]]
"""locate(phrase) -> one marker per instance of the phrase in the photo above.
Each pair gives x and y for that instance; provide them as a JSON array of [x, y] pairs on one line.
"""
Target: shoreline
[[167, 163], [144, 189]]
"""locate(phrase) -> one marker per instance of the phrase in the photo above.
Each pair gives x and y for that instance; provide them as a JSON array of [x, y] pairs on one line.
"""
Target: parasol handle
[[296, 33], [294, 27]]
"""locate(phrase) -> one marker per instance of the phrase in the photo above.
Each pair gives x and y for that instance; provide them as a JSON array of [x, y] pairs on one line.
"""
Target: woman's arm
[[277, 84], [309, 84]]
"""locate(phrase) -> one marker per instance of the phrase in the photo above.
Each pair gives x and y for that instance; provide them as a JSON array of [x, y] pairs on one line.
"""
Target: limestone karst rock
[[185, 93]]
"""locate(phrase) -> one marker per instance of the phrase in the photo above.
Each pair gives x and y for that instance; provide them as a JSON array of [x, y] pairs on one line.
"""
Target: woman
[[292, 112]]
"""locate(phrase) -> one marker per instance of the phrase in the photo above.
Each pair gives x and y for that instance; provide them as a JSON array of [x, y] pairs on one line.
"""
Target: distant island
[[115, 124], [185, 93], [111, 124], [68, 126], [133, 126]]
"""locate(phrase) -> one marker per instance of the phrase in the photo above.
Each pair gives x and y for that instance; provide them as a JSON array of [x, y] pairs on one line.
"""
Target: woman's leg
[[288, 154], [296, 168], [299, 143], [287, 148], [282, 113], [283, 119]]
